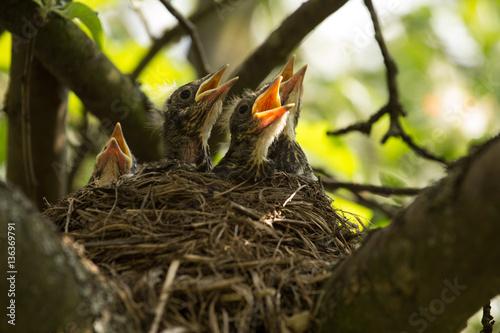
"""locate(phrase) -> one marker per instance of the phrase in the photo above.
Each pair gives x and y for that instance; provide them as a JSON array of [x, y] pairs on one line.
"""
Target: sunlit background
[[449, 80]]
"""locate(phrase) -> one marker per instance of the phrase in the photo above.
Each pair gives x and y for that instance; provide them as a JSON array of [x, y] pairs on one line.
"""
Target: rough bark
[[434, 266], [72, 57], [48, 101], [54, 289]]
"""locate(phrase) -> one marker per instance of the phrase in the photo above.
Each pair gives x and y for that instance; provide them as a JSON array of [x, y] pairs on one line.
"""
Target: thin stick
[[68, 215], [393, 106], [170, 36], [247, 211], [331, 184], [293, 194], [165, 293], [193, 32]]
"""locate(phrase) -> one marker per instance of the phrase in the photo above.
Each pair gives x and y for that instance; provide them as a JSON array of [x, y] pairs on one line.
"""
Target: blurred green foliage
[[449, 81]]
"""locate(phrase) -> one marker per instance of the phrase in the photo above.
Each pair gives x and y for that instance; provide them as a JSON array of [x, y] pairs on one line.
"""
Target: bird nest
[[189, 251]]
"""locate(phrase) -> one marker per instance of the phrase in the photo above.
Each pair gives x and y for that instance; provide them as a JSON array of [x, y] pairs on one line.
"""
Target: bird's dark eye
[[185, 94], [243, 109]]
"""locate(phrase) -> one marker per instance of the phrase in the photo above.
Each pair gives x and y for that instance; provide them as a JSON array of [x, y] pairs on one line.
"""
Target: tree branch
[[47, 136], [191, 29], [487, 320], [68, 54], [393, 106], [170, 36], [332, 185], [55, 290], [429, 270], [387, 210]]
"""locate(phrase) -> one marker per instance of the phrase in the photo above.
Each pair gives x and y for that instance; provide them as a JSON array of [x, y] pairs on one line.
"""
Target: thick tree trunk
[[48, 102], [434, 266], [72, 57], [46, 285]]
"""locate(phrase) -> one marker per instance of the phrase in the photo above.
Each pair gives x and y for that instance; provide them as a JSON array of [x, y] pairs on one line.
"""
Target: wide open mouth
[[295, 80], [267, 107], [116, 149]]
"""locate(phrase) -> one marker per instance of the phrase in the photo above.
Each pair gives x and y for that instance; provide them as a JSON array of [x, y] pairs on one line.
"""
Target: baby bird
[[255, 121], [285, 150], [114, 160], [189, 115]]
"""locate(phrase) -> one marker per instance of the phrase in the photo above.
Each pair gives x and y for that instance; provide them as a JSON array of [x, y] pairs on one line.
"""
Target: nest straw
[[195, 253]]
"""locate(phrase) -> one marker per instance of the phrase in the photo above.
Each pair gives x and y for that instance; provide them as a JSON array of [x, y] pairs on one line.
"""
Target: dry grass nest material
[[201, 254]]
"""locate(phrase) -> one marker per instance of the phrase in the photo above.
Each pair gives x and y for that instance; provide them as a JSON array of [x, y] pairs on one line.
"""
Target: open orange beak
[[116, 151], [210, 89], [112, 154], [267, 107], [120, 139], [287, 71], [296, 79]]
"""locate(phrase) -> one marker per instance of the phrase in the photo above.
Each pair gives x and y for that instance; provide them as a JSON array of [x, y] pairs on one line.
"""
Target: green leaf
[[77, 10], [388, 179]]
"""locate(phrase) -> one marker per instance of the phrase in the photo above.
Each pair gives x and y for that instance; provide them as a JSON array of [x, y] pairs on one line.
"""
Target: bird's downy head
[[193, 108], [258, 118], [114, 160]]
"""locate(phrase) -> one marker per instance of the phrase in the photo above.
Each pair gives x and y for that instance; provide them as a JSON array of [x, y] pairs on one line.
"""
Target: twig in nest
[[487, 320], [118, 242], [293, 194], [68, 217], [165, 292], [193, 32], [331, 185], [111, 211], [214, 327], [393, 106], [247, 211]]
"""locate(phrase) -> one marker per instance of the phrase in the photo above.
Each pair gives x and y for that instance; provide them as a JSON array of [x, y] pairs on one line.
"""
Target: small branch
[[390, 212], [333, 185], [193, 32], [364, 127], [168, 37], [487, 320], [247, 211], [165, 292], [393, 106], [420, 150], [390, 65]]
